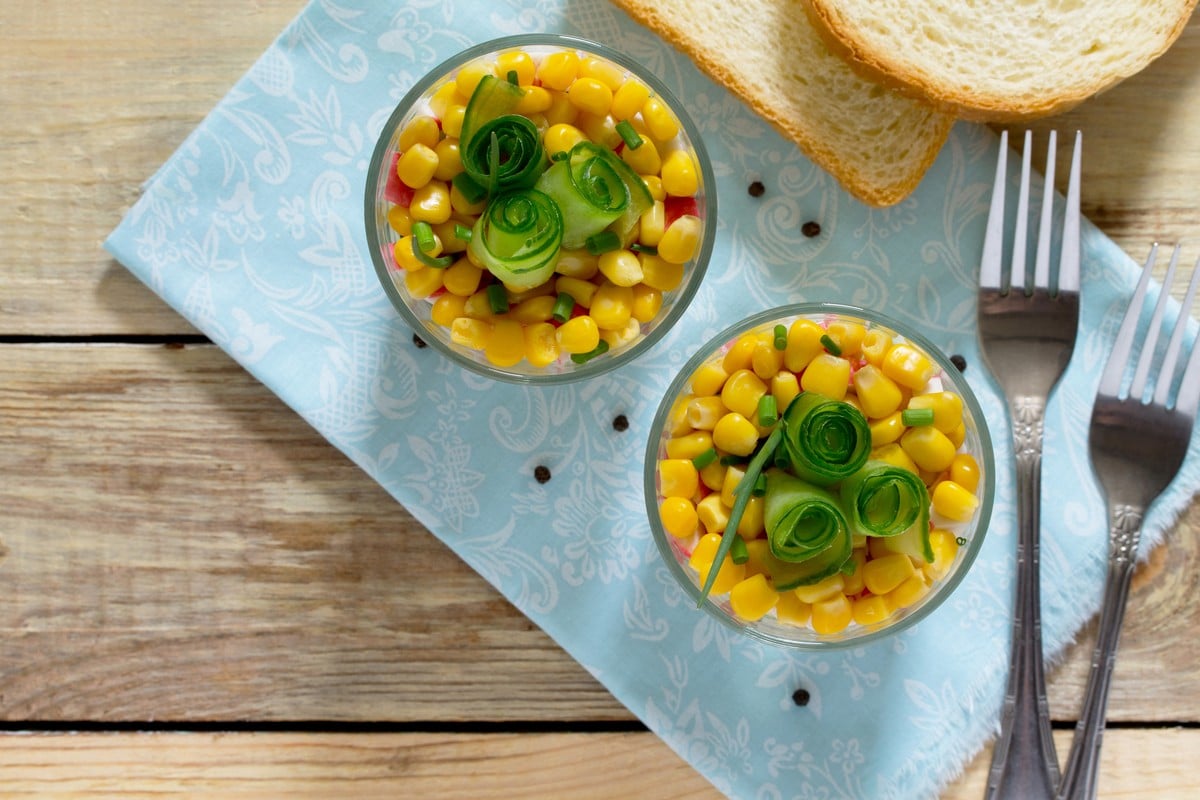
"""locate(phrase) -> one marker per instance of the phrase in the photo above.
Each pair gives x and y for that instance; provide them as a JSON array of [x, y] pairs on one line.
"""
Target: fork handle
[[1024, 762], [1083, 764]]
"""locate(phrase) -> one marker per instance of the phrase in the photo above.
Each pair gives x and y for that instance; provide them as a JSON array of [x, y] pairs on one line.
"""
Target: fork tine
[[1041, 264], [1021, 224], [993, 238], [1068, 264], [1114, 370], [1189, 387], [1138, 386]]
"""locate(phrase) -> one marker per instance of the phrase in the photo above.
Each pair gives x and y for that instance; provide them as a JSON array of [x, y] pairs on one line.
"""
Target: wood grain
[[459, 766]]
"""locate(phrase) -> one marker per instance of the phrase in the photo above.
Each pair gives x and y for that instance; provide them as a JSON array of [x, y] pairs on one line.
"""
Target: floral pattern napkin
[[253, 231]]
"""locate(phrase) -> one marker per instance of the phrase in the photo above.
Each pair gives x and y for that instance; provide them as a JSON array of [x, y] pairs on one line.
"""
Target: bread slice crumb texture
[[876, 142], [1000, 60]]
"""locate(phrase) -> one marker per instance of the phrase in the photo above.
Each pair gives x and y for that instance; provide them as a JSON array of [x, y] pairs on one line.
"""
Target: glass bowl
[[634, 292], [834, 585]]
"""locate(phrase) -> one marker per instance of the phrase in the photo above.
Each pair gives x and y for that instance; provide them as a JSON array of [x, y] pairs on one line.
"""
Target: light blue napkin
[[253, 231]]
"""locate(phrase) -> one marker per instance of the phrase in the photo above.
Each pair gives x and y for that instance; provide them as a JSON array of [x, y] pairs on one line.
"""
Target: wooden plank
[[465, 766], [305, 592], [127, 94]]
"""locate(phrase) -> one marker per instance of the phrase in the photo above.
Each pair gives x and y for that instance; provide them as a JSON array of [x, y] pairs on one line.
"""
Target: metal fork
[[1027, 335], [1137, 445]]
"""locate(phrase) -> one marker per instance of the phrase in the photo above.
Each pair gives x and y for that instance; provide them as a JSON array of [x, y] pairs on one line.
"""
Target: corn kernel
[[680, 240], [416, 166], [947, 409], [463, 206], [708, 378], [958, 435], [644, 159], [452, 122], [470, 75], [879, 546], [740, 354], [541, 345], [621, 267], [870, 610], [953, 501], [535, 100], [878, 394], [576, 264], [714, 515], [561, 109], [964, 470], [908, 366], [629, 98], [756, 557], [928, 448], [728, 576], [750, 526], [852, 582], [517, 61], [679, 174], [887, 429], [399, 220], [885, 573], [910, 591], [590, 95], [446, 309], [462, 278], [659, 120], [406, 257], [654, 185], [506, 345], [470, 332], [443, 96], [712, 475], [677, 477], [766, 361], [735, 434], [578, 335], [827, 375], [689, 445], [602, 70], [533, 309], [751, 598], [792, 609], [677, 424], [431, 203], [803, 344], [822, 589], [558, 69], [742, 392], [705, 551], [561, 138], [422, 283], [945, 549], [733, 476], [652, 224], [448, 233], [422, 129], [875, 346], [647, 302], [849, 336], [620, 337], [785, 387], [660, 273], [895, 455], [612, 306], [581, 290], [479, 306], [832, 616]]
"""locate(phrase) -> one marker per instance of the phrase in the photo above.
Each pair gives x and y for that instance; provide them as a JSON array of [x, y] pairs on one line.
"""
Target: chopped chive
[[782, 461], [423, 242], [738, 551], [780, 337], [493, 162], [646, 249], [831, 345], [467, 186], [760, 486], [768, 410], [583, 358], [629, 135], [560, 155], [729, 460], [563, 307], [602, 242], [512, 77], [917, 416], [462, 232], [423, 232], [704, 459], [497, 298]]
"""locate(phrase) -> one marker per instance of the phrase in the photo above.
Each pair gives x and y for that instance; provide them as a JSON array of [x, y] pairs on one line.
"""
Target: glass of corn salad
[[540, 208], [835, 467]]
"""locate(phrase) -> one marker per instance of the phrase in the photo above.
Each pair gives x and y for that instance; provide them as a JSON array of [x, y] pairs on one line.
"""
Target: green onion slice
[[808, 535], [831, 346], [471, 191], [423, 242], [780, 337], [595, 190], [826, 440], [768, 410], [497, 298], [564, 304], [917, 416], [583, 358], [602, 242], [738, 551], [518, 238], [885, 500], [704, 459], [628, 135]]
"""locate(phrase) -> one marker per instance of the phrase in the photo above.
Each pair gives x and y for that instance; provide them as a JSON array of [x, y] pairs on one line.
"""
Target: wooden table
[[199, 594]]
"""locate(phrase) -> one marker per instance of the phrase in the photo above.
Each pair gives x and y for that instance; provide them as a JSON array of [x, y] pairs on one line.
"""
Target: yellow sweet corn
[[895, 455], [463, 206], [449, 162], [541, 344], [590, 95], [709, 378], [784, 387], [750, 526], [578, 335], [470, 75], [766, 360], [533, 309], [647, 302], [602, 70], [713, 475], [448, 234], [908, 592], [733, 476], [751, 598], [452, 121], [561, 137], [730, 575], [713, 514], [756, 557], [792, 609], [431, 203], [742, 391], [679, 176], [870, 610], [833, 615], [517, 61], [803, 344], [659, 120], [470, 332], [561, 109], [660, 273], [821, 590], [848, 336], [886, 430], [852, 582], [644, 159], [447, 308], [928, 447], [581, 290], [535, 100], [882, 575], [619, 338], [422, 129], [443, 96], [576, 264], [422, 283], [506, 344], [705, 551], [947, 409], [621, 267], [703, 412], [827, 375], [629, 98], [651, 225], [689, 445], [964, 470], [878, 394], [677, 477], [681, 239], [612, 306], [558, 69], [945, 549], [735, 434], [954, 502], [462, 278], [399, 220], [908, 366], [416, 165], [740, 353], [875, 346], [479, 306]]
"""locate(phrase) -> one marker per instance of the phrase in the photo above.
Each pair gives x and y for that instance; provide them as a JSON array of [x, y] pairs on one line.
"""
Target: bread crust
[[855, 180], [953, 96]]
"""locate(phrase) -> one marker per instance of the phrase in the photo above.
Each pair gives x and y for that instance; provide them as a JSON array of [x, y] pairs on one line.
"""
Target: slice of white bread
[[873, 140], [1000, 60]]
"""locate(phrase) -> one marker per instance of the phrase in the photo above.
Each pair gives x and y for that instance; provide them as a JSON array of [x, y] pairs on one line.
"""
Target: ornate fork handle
[[1083, 764], [1025, 765]]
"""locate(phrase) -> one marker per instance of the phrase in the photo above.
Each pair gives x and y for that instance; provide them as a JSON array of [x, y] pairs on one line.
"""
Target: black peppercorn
[[419, 342], [541, 473], [620, 423], [811, 229], [756, 189], [959, 362], [801, 697]]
